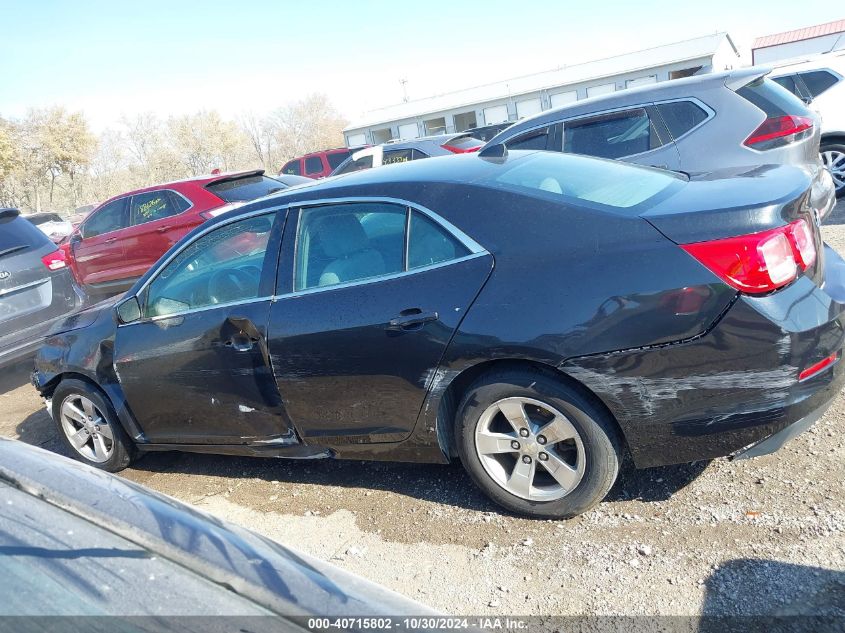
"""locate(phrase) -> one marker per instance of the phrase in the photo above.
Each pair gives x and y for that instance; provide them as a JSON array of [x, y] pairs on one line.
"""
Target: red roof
[[837, 26]]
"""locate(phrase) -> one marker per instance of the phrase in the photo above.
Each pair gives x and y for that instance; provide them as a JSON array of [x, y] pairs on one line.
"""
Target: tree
[[307, 126], [204, 142]]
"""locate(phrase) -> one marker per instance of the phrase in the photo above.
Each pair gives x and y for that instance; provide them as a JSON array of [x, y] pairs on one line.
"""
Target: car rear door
[[632, 135], [155, 224], [97, 249], [370, 294], [195, 368]]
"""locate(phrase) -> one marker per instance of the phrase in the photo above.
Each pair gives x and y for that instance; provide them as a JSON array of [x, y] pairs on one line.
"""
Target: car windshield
[[245, 188], [578, 178]]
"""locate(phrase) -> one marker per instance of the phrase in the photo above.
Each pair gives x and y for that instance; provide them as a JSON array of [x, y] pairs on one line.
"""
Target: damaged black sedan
[[536, 315]]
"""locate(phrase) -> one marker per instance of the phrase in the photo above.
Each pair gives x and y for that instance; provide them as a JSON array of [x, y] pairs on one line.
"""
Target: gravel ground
[[762, 536]]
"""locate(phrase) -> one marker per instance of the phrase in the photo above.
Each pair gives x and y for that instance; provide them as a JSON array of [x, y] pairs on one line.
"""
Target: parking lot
[[748, 537]]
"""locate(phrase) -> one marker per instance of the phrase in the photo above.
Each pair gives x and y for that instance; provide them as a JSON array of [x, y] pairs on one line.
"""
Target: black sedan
[[537, 315]]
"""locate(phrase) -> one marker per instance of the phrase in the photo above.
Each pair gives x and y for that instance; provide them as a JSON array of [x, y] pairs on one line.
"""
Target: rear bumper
[[734, 388], [775, 442]]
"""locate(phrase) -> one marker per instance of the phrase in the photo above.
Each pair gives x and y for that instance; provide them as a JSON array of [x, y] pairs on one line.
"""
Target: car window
[[681, 116], [313, 165], [788, 82], [223, 266], [611, 135], [111, 217], [429, 243], [535, 139], [333, 246], [152, 206], [817, 81], [336, 158], [417, 154], [397, 156], [244, 188], [16, 235], [365, 162], [292, 168]]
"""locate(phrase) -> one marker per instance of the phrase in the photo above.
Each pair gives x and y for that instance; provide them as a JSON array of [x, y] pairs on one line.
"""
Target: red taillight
[[824, 363], [461, 150], [778, 130], [55, 260], [759, 262]]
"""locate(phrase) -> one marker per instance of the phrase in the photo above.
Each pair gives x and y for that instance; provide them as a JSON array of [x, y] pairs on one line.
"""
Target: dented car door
[[195, 368]]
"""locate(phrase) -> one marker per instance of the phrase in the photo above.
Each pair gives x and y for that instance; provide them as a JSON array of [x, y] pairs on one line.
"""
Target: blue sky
[[114, 58]]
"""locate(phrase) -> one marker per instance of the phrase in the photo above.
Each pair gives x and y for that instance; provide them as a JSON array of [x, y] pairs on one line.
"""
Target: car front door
[[155, 226], [195, 368], [631, 135], [97, 250], [368, 301]]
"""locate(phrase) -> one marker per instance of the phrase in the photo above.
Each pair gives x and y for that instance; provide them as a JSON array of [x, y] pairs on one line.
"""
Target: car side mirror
[[129, 310], [76, 237]]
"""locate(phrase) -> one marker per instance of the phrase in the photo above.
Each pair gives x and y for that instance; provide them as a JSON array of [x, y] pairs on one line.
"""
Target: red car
[[317, 164], [124, 236]]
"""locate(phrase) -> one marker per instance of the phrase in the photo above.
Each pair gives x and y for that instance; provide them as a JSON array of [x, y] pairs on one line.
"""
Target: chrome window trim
[[213, 306], [470, 244], [476, 250], [378, 278]]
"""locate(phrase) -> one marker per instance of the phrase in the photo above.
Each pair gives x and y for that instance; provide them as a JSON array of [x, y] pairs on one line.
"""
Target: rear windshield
[[464, 143], [17, 234], [244, 188], [773, 99], [604, 182]]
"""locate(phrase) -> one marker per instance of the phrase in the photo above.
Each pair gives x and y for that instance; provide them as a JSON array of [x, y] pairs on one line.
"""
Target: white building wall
[[508, 109], [813, 46]]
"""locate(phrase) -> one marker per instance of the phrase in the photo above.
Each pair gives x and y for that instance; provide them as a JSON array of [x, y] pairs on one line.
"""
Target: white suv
[[821, 82]]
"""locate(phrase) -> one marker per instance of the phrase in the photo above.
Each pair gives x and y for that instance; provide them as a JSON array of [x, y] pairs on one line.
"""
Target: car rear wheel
[[833, 158], [89, 427], [536, 445]]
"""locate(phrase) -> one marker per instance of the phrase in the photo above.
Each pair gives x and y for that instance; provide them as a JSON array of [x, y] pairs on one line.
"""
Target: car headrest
[[340, 235]]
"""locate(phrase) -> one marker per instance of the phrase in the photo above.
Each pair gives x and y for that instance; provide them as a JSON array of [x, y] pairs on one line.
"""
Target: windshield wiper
[[13, 249]]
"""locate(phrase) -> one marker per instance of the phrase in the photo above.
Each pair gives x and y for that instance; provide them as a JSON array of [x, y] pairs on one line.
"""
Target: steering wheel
[[229, 284]]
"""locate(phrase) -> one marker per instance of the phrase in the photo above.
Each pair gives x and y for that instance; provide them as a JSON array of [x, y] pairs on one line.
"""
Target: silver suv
[[695, 125]]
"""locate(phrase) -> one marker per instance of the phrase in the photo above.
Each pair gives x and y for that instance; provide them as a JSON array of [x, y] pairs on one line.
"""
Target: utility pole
[[404, 83]]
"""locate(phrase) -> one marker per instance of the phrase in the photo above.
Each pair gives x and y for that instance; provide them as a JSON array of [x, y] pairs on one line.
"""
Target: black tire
[[598, 434], [834, 147], [122, 449]]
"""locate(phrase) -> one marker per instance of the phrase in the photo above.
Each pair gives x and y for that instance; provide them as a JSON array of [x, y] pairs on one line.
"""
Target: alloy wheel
[[834, 162], [530, 449], [86, 428]]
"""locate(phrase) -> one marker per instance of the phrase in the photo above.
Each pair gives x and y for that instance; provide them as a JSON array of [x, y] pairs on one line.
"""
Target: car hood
[[85, 316]]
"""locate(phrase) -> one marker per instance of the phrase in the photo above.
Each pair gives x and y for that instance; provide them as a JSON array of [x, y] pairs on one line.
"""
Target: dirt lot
[[761, 536]]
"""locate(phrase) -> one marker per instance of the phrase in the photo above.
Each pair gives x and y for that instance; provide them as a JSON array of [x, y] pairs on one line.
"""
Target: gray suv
[[695, 125], [36, 286]]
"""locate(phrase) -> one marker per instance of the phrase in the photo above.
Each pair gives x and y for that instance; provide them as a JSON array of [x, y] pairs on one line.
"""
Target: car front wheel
[[88, 426], [536, 445]]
